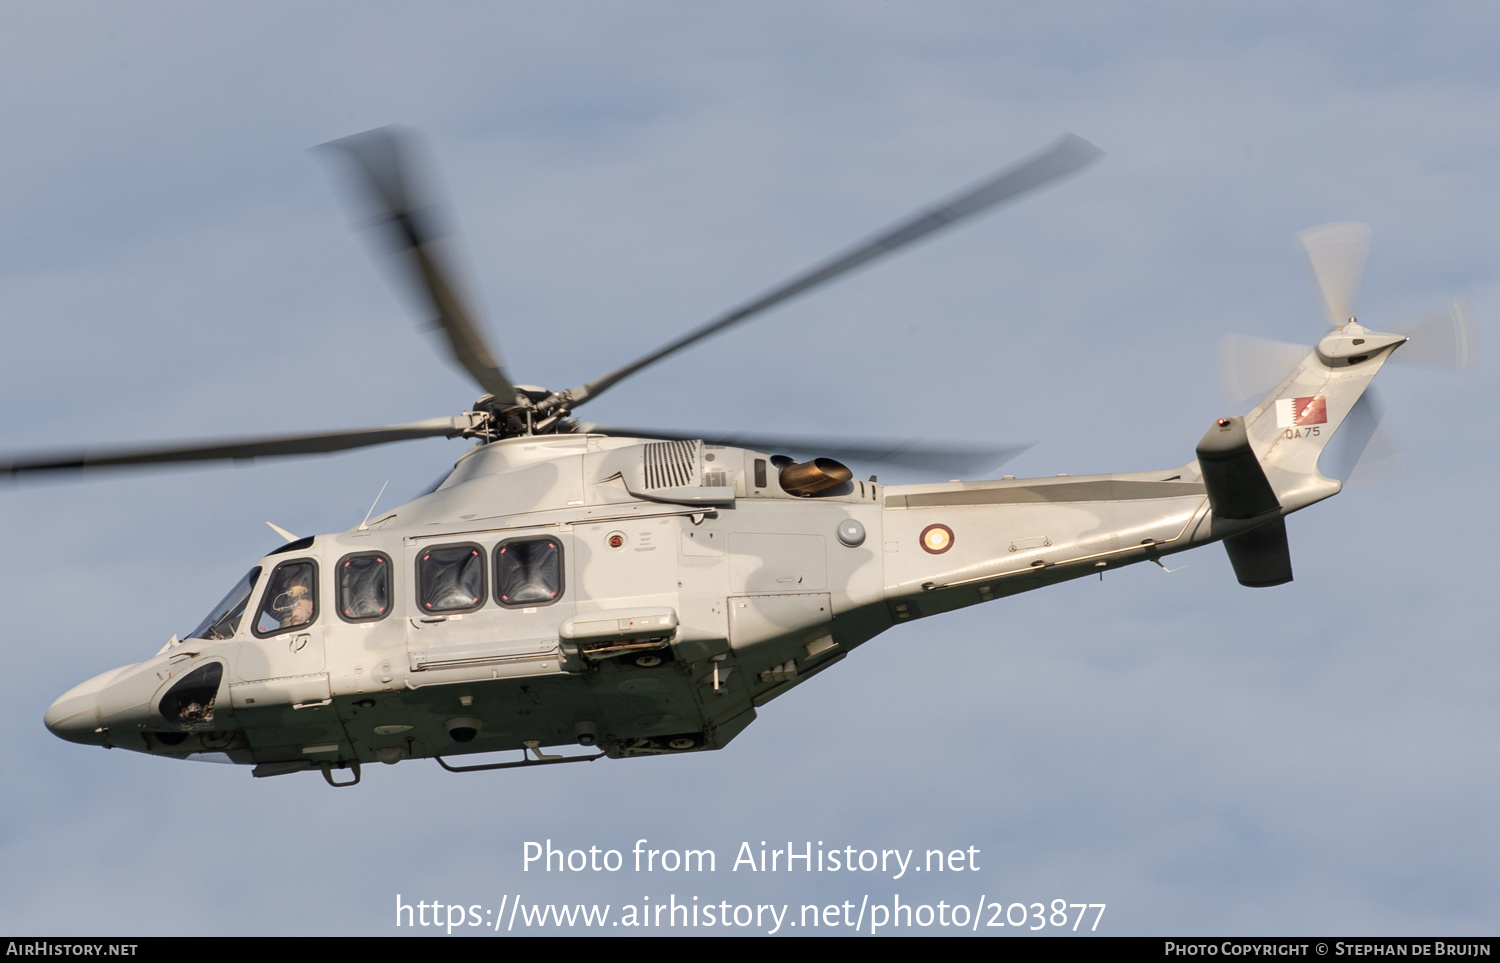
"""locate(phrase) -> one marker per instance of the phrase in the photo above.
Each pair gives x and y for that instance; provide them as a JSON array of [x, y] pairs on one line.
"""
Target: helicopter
[[573, 591]]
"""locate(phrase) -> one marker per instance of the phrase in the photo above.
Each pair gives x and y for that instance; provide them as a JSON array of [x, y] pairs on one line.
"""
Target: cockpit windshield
[[225, 618]]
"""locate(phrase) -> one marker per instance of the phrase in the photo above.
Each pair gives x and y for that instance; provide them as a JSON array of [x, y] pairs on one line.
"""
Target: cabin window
[[528, 571], [760, 473], [224, 620], [291, 599], [364, 587], [450, 578], [191, 700]]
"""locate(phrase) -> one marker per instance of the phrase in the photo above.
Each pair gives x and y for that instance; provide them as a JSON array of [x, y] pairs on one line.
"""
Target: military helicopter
[[642, 592]]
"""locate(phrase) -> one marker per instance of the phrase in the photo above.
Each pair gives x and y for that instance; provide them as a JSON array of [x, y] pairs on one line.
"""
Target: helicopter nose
[[75, 718], [76, 715]]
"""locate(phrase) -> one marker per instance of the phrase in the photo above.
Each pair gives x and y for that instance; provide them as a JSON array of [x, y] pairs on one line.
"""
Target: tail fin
[[1289, 430], [1259, 468]]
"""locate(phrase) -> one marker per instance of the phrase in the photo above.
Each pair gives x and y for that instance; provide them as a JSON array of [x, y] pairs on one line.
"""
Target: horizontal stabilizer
[[1236, 484], [1261, 557]]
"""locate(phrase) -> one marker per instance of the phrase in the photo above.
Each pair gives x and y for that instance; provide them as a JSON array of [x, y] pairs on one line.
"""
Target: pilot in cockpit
[[294, 606]]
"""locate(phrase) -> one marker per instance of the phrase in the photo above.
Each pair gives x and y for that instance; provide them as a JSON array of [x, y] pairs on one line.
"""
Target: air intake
[[671, 464]]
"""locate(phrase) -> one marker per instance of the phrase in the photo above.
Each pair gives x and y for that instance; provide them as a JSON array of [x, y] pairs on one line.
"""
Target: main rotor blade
[[233, 449], [1337, 253], [906, 453], [389, 181], [1066, 156]]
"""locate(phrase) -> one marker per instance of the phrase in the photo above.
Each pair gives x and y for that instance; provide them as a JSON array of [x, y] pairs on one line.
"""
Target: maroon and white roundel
[[936, 539]]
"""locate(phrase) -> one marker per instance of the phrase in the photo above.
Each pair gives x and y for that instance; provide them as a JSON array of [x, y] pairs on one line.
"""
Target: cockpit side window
[[450, 578], [528, 571], [291, 599], [224, 620], [364, 587]]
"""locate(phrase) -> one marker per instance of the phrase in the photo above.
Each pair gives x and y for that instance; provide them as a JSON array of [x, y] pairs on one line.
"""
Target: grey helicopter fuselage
[[575, 584], [646, 597]]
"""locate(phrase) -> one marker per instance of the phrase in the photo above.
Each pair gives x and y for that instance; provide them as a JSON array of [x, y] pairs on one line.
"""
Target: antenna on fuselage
[[364, 526], [282, 532]]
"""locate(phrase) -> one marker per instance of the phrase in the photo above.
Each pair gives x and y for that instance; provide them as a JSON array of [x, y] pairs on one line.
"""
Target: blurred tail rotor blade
[[946, 460], [1444, 339], [1337, 253], [398, 202], [1250, 367], [1362, 452]]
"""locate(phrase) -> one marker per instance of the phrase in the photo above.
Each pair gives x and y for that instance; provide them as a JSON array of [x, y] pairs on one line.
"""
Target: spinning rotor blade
[[234, 449], [1446, 338], [945, 459], [1362, 450], [1250, 367], [388, 181], [1337, 253], [1063, 158]]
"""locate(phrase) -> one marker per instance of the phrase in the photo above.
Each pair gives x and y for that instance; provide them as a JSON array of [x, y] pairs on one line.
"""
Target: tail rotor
[[1337, 253], [1444, 339]]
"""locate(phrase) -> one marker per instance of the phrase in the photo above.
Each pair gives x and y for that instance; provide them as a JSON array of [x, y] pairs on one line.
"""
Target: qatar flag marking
[[1293, 412]]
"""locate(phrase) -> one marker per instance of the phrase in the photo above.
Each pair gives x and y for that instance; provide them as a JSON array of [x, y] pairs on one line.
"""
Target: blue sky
[[1202, 757]]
